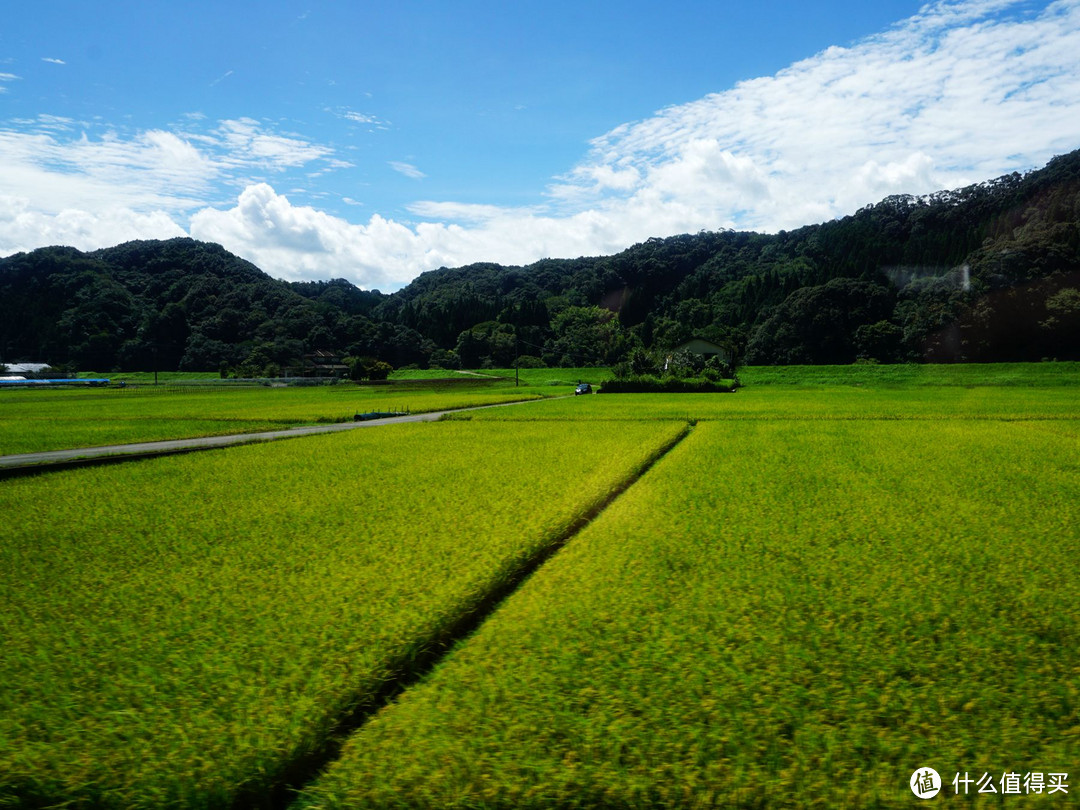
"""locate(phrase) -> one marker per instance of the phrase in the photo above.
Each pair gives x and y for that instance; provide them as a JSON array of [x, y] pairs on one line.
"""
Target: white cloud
[[467, 212], [54, 162], [63, 185], [155, 170], [51, 123], [22, 228], [359, 117], [406, 169], [53, 60], [297, 242], [244, 143]]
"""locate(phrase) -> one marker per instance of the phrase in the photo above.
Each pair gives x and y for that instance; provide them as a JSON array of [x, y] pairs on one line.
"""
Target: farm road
[[25, 463]]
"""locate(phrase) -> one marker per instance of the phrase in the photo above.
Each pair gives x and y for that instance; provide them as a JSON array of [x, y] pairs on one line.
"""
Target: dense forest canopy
[[988, 272]]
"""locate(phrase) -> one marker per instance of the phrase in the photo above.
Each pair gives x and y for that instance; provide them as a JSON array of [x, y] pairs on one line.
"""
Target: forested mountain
[[988, 272]]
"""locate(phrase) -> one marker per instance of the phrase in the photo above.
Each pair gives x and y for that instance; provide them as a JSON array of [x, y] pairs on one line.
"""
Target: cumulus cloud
[[300, 242], [23, 228], [297, 242]]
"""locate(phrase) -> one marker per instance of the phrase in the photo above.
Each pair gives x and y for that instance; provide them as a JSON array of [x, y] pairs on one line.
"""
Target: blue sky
[[377, 141]]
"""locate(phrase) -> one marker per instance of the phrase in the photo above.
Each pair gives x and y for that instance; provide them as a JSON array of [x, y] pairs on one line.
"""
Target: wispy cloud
[[221, 78], [244, 142], [355, 117], [7, 77], [53, 60], [154, 170], [359, 118], [406, 169]]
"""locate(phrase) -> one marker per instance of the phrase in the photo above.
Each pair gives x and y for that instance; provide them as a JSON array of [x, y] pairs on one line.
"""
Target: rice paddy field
[[56, 419], [783, 617], [791, 596], [181, 631]]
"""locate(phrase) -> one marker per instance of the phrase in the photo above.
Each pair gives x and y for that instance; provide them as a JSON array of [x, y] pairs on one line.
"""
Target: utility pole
[[517, 353]]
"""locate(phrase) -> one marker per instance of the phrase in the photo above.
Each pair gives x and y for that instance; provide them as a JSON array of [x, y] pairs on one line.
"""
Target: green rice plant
[[913, 374], [813, 403], [186, 632], [781, 614], [34, 421], [533, 377], [563, 377], [441, 374], [148, 377]]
